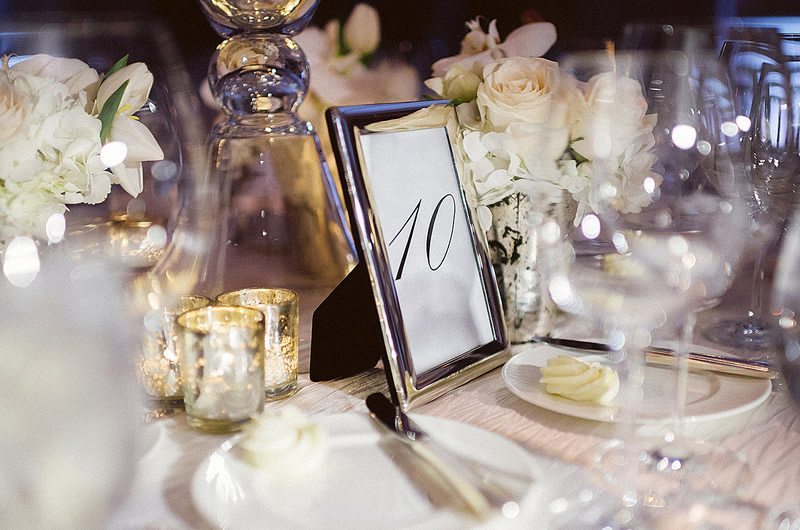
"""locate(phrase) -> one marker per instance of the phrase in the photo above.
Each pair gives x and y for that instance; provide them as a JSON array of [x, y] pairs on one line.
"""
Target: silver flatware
[[478, 489], [667, 356]]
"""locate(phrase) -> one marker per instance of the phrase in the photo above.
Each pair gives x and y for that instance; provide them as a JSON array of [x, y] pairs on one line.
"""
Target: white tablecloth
[[768, 437]]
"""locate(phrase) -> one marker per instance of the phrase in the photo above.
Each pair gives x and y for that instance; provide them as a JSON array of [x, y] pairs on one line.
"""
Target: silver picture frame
[[410, 387]]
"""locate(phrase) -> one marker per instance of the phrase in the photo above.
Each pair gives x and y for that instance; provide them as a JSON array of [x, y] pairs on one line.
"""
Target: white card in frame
[[432, 283]]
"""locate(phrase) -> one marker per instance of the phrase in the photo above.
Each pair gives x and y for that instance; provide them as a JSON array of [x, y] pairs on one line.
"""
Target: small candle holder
[[280, 309], [157, 364], [221, 354]]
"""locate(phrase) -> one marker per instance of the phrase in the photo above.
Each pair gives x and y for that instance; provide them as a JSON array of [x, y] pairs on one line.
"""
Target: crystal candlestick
[[285, 225]]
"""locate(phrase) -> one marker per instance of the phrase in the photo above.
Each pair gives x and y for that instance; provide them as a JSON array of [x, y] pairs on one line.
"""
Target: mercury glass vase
[[285, 226], [529, 310]]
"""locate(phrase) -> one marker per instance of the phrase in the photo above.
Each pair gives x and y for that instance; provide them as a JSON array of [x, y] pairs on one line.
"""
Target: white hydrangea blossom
[[528, 128], [50, 139]]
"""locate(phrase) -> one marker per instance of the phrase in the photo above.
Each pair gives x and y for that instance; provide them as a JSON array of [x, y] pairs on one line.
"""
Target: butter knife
[[481, 491], [667, 356]]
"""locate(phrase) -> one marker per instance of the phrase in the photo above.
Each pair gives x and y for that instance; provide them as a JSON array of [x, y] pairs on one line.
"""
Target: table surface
[[563, 447]]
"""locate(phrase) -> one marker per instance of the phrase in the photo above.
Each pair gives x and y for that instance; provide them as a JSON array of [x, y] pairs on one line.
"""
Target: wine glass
[[158, 240], [70, 420], [665, 194], [764, 107]]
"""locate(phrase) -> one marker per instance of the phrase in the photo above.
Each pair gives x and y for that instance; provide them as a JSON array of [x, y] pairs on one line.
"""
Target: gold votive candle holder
[[221, 354], [157, 364], [281, 322]]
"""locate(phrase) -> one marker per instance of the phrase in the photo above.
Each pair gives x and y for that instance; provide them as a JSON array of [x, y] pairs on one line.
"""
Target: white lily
[[140, 143]]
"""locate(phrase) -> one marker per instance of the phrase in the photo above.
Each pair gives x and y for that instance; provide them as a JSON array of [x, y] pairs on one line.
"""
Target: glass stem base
[[751, 334]]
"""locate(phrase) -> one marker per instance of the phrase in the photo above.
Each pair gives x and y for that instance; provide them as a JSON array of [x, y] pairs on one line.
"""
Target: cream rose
[[74, 73], [12, 112], [522, 90], [612, 118]]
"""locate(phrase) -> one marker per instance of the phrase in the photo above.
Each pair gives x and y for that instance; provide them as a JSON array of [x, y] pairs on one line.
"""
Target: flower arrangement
[[345, 70], [67, 134], [528, 129]]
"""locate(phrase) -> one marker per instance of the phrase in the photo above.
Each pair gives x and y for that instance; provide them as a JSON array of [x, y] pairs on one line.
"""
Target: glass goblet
[[158, 240], [665, 195], [762, 100]]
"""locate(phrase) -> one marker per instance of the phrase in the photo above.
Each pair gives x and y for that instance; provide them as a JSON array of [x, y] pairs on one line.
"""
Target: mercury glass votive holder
[[157, 364], [281, 322], [221, 353]]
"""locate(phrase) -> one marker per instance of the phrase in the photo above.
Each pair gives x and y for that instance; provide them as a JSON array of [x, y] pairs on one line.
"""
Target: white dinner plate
[[359, 486], [711, 395]]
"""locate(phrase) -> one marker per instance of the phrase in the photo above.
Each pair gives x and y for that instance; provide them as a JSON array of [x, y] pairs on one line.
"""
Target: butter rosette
[[580, 381], [285, 443]]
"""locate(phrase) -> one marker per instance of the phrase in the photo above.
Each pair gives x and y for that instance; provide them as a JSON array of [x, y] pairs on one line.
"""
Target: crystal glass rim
[[204, 319], [190, 302]]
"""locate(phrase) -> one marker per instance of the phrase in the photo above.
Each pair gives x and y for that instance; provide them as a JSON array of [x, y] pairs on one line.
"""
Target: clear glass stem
[[682, 375], [632, 376], [757, 287]]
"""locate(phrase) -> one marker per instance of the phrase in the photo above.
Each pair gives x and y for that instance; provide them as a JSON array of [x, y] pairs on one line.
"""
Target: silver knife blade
[[483, 490], [667, 356], [385, 413]]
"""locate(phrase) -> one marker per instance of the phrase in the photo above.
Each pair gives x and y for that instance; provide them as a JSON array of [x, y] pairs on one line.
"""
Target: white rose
[[74, 73], [12, 107], [612, 117], [362, 31], [523, 90]]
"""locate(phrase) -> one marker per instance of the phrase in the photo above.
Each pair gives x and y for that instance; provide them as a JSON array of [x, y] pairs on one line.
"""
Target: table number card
[[423, 296], [417, 201]]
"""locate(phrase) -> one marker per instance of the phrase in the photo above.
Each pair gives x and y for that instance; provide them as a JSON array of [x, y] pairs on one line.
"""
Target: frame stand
[[346, 335]]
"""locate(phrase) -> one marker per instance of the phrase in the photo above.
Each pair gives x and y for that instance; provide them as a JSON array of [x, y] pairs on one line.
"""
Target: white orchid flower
[[477, 40], [530, 40], [139, 142], [362, 31]]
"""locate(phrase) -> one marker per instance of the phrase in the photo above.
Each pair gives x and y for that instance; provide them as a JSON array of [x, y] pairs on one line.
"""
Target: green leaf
[[119, 65], [367, 59], [577, 157], [455, 102], [344, 49], [109, 111]]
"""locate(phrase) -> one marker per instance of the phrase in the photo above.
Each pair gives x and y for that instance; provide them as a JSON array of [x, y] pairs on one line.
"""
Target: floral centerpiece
[[347, 71], [67, 134], [528, 136]]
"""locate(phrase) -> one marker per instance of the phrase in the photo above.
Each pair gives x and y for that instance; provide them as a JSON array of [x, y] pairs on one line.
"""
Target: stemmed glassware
[[70, 338], [667, 203], [764, 112], [158, 241]]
